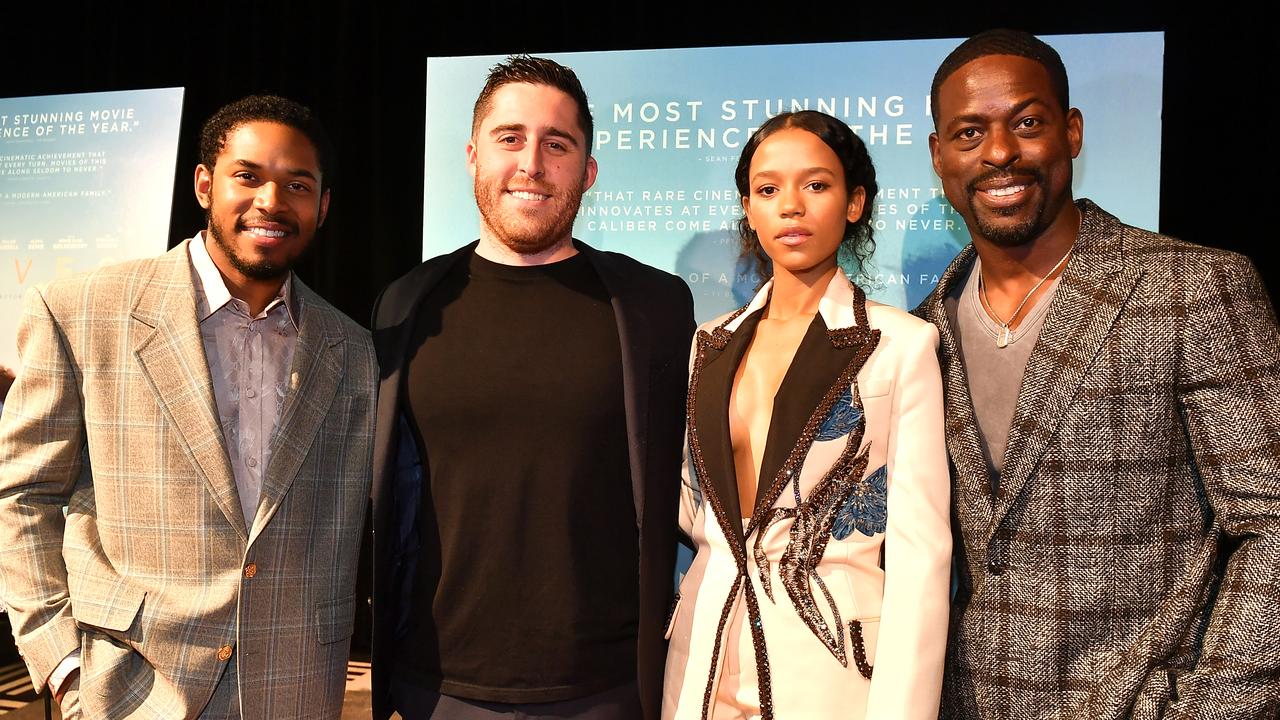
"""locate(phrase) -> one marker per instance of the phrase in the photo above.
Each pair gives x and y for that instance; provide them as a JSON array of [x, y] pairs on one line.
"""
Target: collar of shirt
[[212, 292]]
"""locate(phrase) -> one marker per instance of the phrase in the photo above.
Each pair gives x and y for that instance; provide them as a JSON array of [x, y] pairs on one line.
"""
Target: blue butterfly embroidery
[[867, 509], [842, 418]]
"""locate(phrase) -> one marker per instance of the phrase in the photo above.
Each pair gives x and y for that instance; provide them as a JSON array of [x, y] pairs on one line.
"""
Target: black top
[[527, 586]]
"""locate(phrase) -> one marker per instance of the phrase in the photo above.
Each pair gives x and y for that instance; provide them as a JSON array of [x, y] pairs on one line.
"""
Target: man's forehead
[[1010, 79], [525, 103]]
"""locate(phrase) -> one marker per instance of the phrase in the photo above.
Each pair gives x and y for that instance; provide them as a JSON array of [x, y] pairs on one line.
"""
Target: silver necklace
[[1005, 336]]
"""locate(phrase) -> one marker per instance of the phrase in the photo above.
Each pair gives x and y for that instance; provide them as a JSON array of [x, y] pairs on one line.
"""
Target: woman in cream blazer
[[828, 597]]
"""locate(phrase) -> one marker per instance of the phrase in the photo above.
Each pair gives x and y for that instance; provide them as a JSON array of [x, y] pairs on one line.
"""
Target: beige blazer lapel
[[1094, 288], [172, 361], [314, 377]]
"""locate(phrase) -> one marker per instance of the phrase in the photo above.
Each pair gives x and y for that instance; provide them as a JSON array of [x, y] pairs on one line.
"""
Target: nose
[[531, 161], [268, 197], [791, 204], [1001, 148]]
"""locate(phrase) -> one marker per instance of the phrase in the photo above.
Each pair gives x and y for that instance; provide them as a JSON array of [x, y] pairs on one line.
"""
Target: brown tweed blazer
[[149, 574], [1128, 567]]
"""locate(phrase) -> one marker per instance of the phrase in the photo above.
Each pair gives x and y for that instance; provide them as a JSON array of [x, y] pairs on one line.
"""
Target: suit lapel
[[314, 377], [1093, 290], [972, 476], [172, 360], [719, 356], [395, 314], [812, 374], [634, 336]]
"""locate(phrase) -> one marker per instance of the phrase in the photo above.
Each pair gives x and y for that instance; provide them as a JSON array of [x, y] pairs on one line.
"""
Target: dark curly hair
[[859, 240], [266, 108], [1003, 42], [534, 71]]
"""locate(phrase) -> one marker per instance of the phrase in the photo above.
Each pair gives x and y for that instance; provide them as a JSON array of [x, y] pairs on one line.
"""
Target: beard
[[522, 233], [1030, 227], [259, 269]]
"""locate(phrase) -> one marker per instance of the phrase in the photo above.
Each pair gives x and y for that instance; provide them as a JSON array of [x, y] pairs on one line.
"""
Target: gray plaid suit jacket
[[113, 414], [1128, 566]]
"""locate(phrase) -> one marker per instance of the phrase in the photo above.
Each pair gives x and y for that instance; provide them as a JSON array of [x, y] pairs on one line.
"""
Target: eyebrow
[[551, 131], [296, 172], [978, 117], [803, 171]]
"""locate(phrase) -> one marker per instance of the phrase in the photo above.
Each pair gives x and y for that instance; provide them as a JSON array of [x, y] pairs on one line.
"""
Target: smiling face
[[1003, 149], [263, 201], [798, 204], [531, 165]]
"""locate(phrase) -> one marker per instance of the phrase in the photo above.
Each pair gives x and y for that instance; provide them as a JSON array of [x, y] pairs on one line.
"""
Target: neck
[[797, 294], [494, 250], [1006, 266], [255, 293]]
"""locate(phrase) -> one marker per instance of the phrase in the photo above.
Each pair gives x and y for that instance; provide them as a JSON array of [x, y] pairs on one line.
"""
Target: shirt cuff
[[69, 664]]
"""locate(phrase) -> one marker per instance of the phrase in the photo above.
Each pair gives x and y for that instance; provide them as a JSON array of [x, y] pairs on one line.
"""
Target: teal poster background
[[85, 180], [670, 125]]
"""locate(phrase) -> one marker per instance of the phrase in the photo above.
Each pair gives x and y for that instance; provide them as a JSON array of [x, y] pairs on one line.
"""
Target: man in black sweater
[[528, 446]]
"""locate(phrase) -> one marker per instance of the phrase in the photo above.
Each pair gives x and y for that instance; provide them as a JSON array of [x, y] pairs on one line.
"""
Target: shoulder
[[108, 289], [636, 271], [900, 325], [393, 302]]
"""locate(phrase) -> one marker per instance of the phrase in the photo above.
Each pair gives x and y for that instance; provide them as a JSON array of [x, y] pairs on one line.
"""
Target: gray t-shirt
[[994, 373]]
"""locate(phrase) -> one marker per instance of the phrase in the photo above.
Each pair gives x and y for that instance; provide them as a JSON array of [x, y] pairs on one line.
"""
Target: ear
[[324, 207], [204, 186], [1075, 131], [856, 201], [935, 154], [590, 175], [471, 158], [746, 211]]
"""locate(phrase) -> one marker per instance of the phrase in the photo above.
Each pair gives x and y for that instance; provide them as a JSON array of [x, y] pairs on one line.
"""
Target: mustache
[[1032, 173]]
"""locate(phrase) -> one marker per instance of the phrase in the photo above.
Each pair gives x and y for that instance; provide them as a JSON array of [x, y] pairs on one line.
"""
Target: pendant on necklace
[[1004, 336]]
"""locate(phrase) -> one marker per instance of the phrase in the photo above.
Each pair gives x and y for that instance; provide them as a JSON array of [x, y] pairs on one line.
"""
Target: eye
[[299, 187], [766, 190], [557, 146], [1028, 123], [509, 140], [817, 186], [245, 176], [969, 133]]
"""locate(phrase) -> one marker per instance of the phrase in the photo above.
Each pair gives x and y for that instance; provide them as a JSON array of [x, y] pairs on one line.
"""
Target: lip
[[792, 236], [266, 234], [528, 195], [1004, 191]]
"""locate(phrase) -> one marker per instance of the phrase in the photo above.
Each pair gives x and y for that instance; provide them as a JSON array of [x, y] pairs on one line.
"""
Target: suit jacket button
[[224, 653], [995, 568], [250, 570]]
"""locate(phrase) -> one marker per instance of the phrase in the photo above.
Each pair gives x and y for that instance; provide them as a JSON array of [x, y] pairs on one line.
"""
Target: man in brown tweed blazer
[[206, 420], [1113, 421]]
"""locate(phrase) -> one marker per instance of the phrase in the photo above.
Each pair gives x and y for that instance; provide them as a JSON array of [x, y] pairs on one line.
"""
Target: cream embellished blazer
[[831, 600]]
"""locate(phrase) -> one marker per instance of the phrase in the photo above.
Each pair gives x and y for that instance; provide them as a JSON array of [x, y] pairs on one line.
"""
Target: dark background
[[362, 66]]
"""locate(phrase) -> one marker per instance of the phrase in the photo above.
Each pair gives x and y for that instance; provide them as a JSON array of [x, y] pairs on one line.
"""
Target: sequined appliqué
[[867, 509], [844, 416]]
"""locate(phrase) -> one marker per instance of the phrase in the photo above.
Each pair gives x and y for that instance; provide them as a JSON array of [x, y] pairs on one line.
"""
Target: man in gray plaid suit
[[1113, 421], [206, 420]]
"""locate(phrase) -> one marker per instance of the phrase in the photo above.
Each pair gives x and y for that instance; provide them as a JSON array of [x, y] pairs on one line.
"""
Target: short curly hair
[[1003, 41], [266, 108]]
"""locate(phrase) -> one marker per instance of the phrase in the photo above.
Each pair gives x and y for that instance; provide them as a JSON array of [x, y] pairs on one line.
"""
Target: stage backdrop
[[671, 123], [85, 180]]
